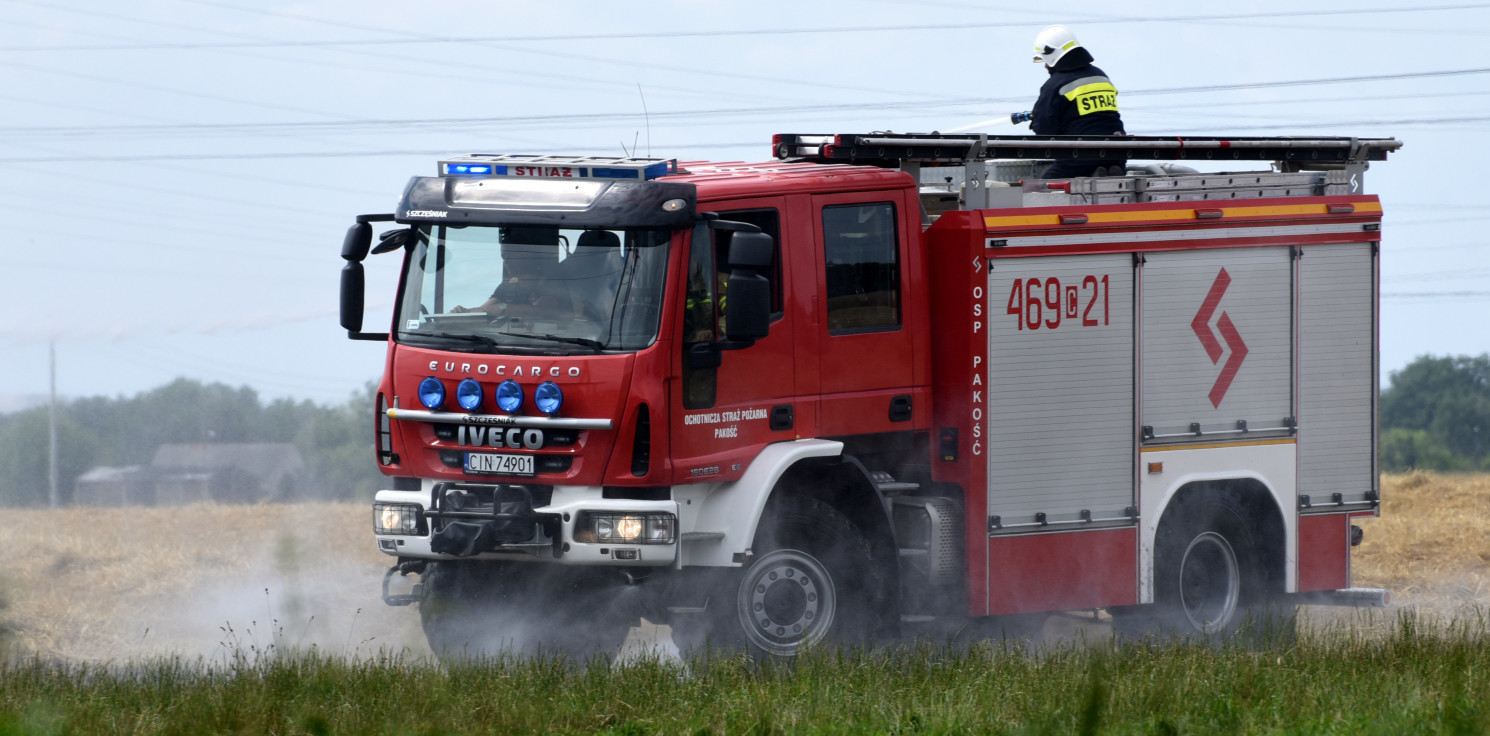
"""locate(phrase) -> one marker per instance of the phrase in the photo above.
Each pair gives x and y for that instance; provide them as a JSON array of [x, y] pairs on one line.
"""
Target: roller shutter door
[[1217, 341], [1060, 391], [1337, 372]]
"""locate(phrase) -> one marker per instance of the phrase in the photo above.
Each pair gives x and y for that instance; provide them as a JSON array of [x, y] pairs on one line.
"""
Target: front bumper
[[507, 528]]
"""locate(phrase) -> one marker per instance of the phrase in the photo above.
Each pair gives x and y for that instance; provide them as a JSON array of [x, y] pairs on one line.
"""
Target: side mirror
[[392, 240], [751, 251], [352, 290], [354, 247], [747, 308]]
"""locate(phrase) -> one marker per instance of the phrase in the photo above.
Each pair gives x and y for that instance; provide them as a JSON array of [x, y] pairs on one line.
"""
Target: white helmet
[[1053, 43]]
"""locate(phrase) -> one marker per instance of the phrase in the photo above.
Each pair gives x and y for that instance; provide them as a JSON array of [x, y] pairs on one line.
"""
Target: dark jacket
[[1077, 99]]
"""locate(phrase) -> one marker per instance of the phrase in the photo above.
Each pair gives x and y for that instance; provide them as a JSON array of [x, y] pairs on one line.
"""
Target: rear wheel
[[1209, 577], [482, 609]]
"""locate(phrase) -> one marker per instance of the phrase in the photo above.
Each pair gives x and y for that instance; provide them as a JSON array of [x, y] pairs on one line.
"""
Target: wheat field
[[101, 585]]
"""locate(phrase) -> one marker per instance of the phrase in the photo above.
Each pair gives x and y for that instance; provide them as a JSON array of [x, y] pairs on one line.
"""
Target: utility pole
[[52, 432]]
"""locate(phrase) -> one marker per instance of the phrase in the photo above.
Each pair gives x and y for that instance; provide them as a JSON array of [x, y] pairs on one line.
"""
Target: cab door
[[732, 409], [866, 354]]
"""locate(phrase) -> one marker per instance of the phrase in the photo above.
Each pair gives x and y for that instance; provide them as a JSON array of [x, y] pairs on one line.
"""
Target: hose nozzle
[[1019, 117]]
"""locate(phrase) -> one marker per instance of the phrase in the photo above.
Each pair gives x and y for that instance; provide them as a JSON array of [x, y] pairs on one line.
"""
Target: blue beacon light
[[509, 396], [431, 393], [548, 397], [468, 394]]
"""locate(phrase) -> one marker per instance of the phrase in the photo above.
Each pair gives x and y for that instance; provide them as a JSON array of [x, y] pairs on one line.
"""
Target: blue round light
[[468, 394], [547, 397], [509, 396], [431, 393]]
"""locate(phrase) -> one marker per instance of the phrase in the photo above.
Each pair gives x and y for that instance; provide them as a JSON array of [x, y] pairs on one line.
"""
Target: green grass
[[1414, 678]]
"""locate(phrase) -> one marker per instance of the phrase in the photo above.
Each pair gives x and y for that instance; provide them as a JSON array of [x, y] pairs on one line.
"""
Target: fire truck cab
[[880, 382]]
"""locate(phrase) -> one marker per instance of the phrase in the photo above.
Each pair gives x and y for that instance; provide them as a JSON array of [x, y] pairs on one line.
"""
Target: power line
[[575, 81], [780, 31], [546, 119], [681, 146]]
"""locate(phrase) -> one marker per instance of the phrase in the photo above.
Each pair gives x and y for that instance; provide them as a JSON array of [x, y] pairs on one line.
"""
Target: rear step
[[888, 486]]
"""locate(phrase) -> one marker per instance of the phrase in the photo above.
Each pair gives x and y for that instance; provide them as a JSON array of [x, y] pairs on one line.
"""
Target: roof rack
[[893, 149]]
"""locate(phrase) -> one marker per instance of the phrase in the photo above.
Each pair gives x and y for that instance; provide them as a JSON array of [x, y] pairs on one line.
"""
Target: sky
[[176, 176]]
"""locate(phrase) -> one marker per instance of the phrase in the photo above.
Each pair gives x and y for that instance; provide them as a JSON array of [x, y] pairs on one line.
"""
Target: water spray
[[1014, 118]]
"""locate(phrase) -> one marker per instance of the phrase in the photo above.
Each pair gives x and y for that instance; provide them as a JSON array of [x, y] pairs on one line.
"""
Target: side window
[[863, 267], [699, 319], [707, 293], [769, 221]]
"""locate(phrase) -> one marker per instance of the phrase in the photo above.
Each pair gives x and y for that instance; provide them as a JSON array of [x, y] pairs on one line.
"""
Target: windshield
[[533, 288]]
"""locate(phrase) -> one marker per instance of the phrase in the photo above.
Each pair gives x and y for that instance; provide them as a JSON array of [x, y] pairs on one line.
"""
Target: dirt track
[[205, 580]]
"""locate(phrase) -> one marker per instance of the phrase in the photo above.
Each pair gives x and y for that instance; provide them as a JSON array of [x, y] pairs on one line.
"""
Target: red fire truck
[[883, 381]]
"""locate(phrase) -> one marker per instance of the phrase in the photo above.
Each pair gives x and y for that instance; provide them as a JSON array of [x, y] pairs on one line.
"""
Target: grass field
[[172, 620]]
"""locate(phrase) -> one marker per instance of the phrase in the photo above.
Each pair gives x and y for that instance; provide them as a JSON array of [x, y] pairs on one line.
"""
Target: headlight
[[468, 394], [431, 393], [509, 396], [398, 518], [618, 527]]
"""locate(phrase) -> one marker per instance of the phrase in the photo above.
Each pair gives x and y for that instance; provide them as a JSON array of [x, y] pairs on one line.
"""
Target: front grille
[[551, 437]]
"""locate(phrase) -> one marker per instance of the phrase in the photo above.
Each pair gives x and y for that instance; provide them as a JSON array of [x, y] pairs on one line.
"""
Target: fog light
[[605, 527], [398, 518]]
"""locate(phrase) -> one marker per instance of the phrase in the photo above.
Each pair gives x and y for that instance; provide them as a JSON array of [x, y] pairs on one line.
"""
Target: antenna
[[646, 116]]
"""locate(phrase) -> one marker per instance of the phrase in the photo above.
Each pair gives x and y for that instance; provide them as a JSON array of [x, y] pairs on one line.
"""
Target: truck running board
[[1354, 597]]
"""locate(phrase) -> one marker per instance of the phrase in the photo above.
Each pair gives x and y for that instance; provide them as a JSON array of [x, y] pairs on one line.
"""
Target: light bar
[[558, 167]]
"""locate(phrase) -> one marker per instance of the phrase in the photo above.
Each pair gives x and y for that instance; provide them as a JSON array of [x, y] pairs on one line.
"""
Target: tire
[[810, 582], [1209, 578], [474, 610]]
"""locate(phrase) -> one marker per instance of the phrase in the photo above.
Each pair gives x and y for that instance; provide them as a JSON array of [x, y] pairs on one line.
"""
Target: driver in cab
[[527, 289]]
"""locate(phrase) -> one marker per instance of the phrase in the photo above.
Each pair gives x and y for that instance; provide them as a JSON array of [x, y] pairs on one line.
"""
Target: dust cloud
[[209, 581], [215, 581]]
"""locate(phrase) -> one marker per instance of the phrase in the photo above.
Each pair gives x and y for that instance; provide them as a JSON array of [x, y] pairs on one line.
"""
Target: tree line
[[1435, 415], [335, 442]]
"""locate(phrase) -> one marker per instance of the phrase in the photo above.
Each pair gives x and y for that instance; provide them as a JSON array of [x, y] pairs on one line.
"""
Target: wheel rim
[[786, 602], [1210, 583]]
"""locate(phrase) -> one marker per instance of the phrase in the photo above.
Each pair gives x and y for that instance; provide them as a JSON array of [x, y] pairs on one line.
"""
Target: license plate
[[490, 462]]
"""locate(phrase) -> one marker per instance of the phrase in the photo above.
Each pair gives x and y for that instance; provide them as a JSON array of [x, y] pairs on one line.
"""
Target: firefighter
[[1077, 99]]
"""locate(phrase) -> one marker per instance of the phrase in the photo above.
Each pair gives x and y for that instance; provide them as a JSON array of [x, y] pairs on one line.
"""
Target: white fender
[[1274, 466], [735, 508]]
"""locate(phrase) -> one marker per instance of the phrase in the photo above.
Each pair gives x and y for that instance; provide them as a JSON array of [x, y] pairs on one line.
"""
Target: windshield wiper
[[595, 345], [482, 340]]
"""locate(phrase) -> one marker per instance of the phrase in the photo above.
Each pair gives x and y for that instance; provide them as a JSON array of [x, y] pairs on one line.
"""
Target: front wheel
[[809, 582], [483, 609]]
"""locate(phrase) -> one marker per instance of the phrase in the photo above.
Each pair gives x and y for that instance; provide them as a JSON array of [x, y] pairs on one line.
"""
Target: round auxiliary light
[[509, 396], [674, 205], [468, 394], [548, 397], [431, 393]]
